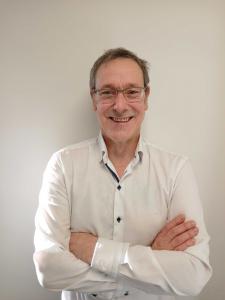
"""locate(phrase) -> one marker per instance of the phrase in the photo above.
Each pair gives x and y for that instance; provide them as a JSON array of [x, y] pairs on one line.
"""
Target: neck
[[121, 153]]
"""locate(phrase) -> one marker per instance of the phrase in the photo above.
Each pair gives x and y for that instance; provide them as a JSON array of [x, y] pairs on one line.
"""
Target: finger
[[185, 245], [184, 237], [179, 229], [174, 222]]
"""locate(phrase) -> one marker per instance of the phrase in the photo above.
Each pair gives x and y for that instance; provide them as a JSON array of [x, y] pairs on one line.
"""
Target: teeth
[[120, 119]]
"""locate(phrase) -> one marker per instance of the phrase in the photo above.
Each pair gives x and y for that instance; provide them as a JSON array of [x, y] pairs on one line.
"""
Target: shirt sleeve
[[56, 267], [115, 252], [161, 271]]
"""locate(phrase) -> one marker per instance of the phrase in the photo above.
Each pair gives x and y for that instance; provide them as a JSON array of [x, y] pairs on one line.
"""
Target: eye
[[133, 92], [106, 93]]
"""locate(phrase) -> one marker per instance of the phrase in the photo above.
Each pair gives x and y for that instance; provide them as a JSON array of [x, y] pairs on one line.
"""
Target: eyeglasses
[[131, 94]]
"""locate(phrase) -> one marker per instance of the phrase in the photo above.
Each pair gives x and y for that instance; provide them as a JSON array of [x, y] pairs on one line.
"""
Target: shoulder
[[76, 151], [161, 153], [77, 147], [163, 159]]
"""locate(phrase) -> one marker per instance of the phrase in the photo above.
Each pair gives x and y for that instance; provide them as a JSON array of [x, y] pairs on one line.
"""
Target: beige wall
[[46, 50]]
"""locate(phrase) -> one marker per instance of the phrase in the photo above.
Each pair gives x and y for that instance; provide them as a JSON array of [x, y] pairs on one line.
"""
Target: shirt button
[[119, 187], [118, 219], [126, 293]]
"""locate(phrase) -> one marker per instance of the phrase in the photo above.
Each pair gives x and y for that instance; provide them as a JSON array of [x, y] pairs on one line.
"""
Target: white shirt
[[81, 192]]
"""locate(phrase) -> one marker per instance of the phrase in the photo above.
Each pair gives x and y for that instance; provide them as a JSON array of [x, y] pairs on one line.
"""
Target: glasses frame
[[112, 100]]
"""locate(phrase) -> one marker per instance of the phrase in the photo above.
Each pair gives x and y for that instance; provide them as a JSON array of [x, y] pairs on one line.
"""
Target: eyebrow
[[111, 86]]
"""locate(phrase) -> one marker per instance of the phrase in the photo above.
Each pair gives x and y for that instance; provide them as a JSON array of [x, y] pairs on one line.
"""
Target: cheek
[[101, 113], [141, 113], [103, 110]]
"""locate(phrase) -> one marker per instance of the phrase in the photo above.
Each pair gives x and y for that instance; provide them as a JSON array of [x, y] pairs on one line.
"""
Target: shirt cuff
[[108, 255]]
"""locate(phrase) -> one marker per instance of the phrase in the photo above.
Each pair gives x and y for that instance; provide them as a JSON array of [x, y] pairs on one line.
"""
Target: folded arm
[[160, 269], [176, 235], [56, 267]]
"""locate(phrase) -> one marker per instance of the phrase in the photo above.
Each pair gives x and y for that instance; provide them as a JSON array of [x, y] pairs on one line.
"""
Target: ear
[[147, 94], [93, 101]]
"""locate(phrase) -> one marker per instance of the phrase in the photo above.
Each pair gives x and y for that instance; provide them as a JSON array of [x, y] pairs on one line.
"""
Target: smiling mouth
[[121, 120]]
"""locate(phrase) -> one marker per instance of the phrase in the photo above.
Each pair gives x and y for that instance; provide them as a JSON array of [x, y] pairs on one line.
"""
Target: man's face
[[120, 121]]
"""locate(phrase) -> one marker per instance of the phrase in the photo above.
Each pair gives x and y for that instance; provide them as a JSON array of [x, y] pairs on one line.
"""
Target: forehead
[[119, 72]]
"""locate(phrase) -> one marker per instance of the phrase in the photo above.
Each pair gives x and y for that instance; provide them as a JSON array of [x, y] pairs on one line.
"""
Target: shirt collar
[[103, 153]]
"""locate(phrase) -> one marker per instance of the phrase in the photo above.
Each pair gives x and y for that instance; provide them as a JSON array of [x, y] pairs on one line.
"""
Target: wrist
[[90, 251]]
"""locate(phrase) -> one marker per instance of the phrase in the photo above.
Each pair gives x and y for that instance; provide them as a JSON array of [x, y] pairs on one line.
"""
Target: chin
[[121, 137]]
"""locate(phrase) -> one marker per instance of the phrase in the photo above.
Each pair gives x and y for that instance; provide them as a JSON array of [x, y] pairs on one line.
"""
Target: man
[[118, 217]]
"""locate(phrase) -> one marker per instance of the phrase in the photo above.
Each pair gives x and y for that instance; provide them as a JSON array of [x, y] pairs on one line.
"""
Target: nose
[[120, 104]]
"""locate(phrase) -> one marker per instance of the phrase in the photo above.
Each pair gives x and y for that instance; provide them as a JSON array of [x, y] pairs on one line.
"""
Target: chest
[[133, 210]]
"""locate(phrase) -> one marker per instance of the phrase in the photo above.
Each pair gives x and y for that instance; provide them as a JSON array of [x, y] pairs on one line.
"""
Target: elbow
[[201, 281], [194, 285], [42, 264], [58, 270]]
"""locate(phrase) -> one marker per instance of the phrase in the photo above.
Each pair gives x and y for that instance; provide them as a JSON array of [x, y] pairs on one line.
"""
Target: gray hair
[[115, 53]]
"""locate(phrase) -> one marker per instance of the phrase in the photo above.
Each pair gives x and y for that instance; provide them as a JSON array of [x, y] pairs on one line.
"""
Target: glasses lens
[[105, 94], [133, 93]]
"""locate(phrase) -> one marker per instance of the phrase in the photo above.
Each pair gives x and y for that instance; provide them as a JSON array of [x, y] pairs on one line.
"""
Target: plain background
[[46, 51]]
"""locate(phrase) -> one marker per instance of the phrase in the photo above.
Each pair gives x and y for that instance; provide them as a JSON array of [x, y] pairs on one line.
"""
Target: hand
[[82, 245], [177, 234]]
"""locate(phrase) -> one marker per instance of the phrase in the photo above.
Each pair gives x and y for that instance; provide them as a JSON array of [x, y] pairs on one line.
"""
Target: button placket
[[118, 215]]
